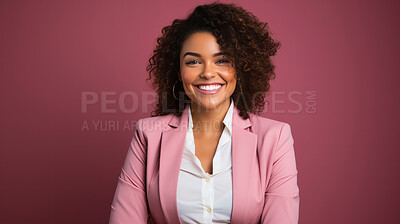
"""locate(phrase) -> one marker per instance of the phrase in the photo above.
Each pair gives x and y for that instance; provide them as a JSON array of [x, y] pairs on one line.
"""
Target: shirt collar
[[227, 119]]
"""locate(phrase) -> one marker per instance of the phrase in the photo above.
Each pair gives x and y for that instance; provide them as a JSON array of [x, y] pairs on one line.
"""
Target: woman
[[205, 156]]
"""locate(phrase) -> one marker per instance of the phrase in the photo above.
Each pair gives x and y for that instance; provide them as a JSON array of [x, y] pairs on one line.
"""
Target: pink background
[[346, 137]]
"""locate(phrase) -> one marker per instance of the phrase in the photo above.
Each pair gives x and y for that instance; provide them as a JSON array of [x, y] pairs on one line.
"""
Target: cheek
[[233, 84], [230, 78], [188, 75]]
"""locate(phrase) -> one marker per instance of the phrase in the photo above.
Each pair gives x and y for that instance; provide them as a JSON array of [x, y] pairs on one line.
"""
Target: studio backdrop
[[73, 85]]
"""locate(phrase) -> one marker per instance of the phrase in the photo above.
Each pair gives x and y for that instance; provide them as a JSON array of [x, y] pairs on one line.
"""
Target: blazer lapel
[[244, 147], [172, 146]]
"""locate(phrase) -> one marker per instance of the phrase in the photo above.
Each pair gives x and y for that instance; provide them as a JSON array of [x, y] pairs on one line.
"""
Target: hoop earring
[[173, 89]]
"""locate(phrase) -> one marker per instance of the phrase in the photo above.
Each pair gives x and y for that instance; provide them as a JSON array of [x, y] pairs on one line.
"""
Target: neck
[[209, 120]]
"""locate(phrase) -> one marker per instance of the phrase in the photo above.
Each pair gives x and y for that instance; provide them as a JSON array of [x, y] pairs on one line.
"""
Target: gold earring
[[173, 89]]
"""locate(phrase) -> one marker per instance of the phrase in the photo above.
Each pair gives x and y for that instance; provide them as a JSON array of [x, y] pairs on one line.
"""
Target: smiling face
[[208, 77]]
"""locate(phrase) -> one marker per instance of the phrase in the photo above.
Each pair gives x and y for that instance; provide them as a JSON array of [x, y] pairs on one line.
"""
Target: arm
[[282, 199], [130, 204]]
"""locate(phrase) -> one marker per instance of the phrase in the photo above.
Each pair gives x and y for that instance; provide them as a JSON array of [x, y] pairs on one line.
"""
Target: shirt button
[[209, 210], [207, 180]]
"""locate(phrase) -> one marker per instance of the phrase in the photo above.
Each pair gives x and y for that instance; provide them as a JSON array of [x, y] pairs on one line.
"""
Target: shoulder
[[269, 128], [274, 136], [153, 124]]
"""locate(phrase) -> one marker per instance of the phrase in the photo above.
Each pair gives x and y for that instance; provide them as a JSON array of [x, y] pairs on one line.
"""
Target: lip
[[206, 84], [209, 92]]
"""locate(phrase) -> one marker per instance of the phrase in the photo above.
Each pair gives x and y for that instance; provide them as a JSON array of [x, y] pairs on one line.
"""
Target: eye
[[192, 62], [223, 61]]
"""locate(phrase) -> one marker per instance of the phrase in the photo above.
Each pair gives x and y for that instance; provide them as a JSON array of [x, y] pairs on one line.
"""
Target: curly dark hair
[[242, 37]]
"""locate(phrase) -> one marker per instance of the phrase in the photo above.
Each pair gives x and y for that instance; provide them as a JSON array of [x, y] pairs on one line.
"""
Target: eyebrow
[[198, 55]]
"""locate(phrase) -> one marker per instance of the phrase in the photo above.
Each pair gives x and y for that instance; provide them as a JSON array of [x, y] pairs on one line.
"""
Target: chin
[[209, 105]]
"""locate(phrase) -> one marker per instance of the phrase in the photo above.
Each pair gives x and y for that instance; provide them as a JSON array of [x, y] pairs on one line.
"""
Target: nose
[[208, 71]]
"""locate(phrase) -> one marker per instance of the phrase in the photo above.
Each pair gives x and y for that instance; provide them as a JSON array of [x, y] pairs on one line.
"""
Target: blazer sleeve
[[282, 199], [130, 202]]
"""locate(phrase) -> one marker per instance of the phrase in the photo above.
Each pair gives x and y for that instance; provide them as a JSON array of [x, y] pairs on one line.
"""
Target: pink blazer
[[264, 172]]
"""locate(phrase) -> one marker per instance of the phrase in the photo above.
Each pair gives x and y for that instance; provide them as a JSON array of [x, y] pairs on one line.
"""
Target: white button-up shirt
[[204, 197]]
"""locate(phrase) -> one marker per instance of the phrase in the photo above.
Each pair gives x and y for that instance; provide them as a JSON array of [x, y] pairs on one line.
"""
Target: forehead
[[203, 43]]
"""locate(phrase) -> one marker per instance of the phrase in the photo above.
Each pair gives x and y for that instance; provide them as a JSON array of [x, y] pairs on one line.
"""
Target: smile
[[209, 89]]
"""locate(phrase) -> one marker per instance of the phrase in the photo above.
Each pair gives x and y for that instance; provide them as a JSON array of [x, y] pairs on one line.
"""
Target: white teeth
[[210, 87]]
